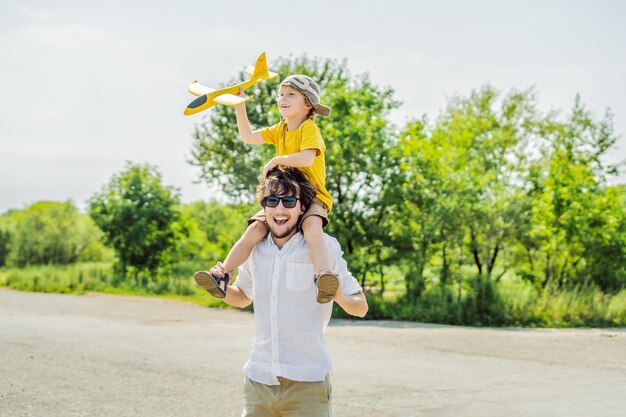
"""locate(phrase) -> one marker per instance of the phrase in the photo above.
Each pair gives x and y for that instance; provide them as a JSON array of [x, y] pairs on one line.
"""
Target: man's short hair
[[282, 181]]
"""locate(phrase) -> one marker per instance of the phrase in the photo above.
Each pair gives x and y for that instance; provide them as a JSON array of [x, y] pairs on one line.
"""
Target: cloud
[[39, 14]]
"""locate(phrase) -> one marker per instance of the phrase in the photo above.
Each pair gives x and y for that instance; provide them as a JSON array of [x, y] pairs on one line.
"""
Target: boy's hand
[[269, 166], [240, 106]]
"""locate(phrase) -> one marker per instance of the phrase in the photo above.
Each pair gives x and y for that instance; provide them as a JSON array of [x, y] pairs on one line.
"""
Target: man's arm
[[355, 305], [236, 298], [234, 295], [355, 302], [246, 134]]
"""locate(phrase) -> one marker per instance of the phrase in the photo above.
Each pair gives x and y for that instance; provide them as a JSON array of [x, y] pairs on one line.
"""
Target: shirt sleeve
[[244, 280], [269, 134], [312, 138], [349, 284]]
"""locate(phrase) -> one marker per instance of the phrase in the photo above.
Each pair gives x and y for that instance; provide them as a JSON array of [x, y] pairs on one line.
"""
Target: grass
[[511, 302], [583, 306], [99, 277]]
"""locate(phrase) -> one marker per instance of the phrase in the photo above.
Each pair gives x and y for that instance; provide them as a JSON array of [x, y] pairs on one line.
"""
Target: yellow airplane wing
[[230, 99], [198, 89], [250, 72], [226, 99]]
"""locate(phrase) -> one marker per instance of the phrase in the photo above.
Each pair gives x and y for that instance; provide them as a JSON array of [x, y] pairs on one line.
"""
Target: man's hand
[[355, 304], [218, 270]]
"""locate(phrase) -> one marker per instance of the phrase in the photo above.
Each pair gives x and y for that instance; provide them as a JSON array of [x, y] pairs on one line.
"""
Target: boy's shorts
[[293, 398], [318, 208]]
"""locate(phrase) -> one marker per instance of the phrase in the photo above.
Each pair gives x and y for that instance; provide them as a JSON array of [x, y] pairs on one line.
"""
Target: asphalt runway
[[102, 355]]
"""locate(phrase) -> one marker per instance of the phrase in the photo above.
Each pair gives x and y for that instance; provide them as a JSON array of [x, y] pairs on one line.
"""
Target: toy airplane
[[209, 97]]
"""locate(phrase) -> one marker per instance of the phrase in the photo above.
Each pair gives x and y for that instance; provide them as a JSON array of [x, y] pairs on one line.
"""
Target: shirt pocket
[[299, 276]]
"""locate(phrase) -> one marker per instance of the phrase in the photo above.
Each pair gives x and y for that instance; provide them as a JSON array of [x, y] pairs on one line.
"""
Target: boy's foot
[[327, 284], [213, 283]]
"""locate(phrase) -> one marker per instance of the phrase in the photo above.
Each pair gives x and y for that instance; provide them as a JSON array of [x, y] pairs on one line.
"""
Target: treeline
[[135, 222], [491, 213]]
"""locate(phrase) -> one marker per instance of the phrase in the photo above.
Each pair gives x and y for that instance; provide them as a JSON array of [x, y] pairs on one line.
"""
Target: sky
[[86, 86]]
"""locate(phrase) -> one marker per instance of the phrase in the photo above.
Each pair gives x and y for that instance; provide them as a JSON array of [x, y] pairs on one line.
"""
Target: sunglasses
[[272, 201]]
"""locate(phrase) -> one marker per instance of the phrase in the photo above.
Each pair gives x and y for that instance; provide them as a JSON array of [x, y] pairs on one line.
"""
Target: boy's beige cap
[[310, 89]]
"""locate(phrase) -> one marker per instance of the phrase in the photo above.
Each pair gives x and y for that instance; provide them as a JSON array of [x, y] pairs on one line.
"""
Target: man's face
[[282, 221]]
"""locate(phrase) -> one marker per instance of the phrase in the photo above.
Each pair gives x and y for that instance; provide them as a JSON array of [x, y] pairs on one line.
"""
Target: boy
[[298, 144]]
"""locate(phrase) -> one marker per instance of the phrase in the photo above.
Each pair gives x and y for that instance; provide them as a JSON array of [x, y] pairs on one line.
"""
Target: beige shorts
[[290, 398], [318, 208]]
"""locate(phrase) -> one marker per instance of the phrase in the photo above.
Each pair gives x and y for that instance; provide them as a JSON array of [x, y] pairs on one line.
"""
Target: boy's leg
[[216, 280], [241, 251], [325, 281], [314, 236]]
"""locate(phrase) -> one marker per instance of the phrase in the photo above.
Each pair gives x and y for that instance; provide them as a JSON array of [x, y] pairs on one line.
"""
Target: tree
[[605, 242], [358, 138], [5, 236], [459, 176], [576, 219], [5, 241], [51, 233], [205, 232], [490, 139], [418, 194], [136, 213]]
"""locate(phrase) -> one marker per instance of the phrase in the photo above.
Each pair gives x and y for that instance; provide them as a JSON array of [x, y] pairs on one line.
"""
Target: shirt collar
[[295, 240]]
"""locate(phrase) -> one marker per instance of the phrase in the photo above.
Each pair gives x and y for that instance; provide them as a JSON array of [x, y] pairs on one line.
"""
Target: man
[[287, 373]]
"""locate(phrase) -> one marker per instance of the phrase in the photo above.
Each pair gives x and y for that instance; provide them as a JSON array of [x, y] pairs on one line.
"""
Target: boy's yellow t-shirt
[[306, 136]]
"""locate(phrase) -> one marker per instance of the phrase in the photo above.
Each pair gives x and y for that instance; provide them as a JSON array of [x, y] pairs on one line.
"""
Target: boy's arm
[[246, 134], [301, 159]]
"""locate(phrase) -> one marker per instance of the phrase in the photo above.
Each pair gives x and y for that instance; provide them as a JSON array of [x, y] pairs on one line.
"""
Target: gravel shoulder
[[103, 355]]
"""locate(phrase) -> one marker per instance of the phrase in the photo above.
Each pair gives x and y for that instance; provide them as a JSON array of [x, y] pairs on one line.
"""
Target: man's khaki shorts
[[318, 208], [289, 399]]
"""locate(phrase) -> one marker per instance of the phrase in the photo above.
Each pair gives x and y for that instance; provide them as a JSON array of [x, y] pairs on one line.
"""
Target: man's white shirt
[[288, 321]]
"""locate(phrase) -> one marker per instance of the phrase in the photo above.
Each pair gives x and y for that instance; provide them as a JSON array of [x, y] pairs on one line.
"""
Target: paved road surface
[[99, 355]]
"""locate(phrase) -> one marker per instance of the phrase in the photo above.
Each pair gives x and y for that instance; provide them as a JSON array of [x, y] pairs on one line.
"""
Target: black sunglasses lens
[[271, 201], [289, 202]]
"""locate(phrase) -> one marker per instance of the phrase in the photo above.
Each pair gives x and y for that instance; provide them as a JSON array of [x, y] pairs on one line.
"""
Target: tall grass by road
[[511, 302], [82, 278]]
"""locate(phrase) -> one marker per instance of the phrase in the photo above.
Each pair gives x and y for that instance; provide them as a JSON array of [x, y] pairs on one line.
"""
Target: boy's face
[[292, 103], [282, 221]]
